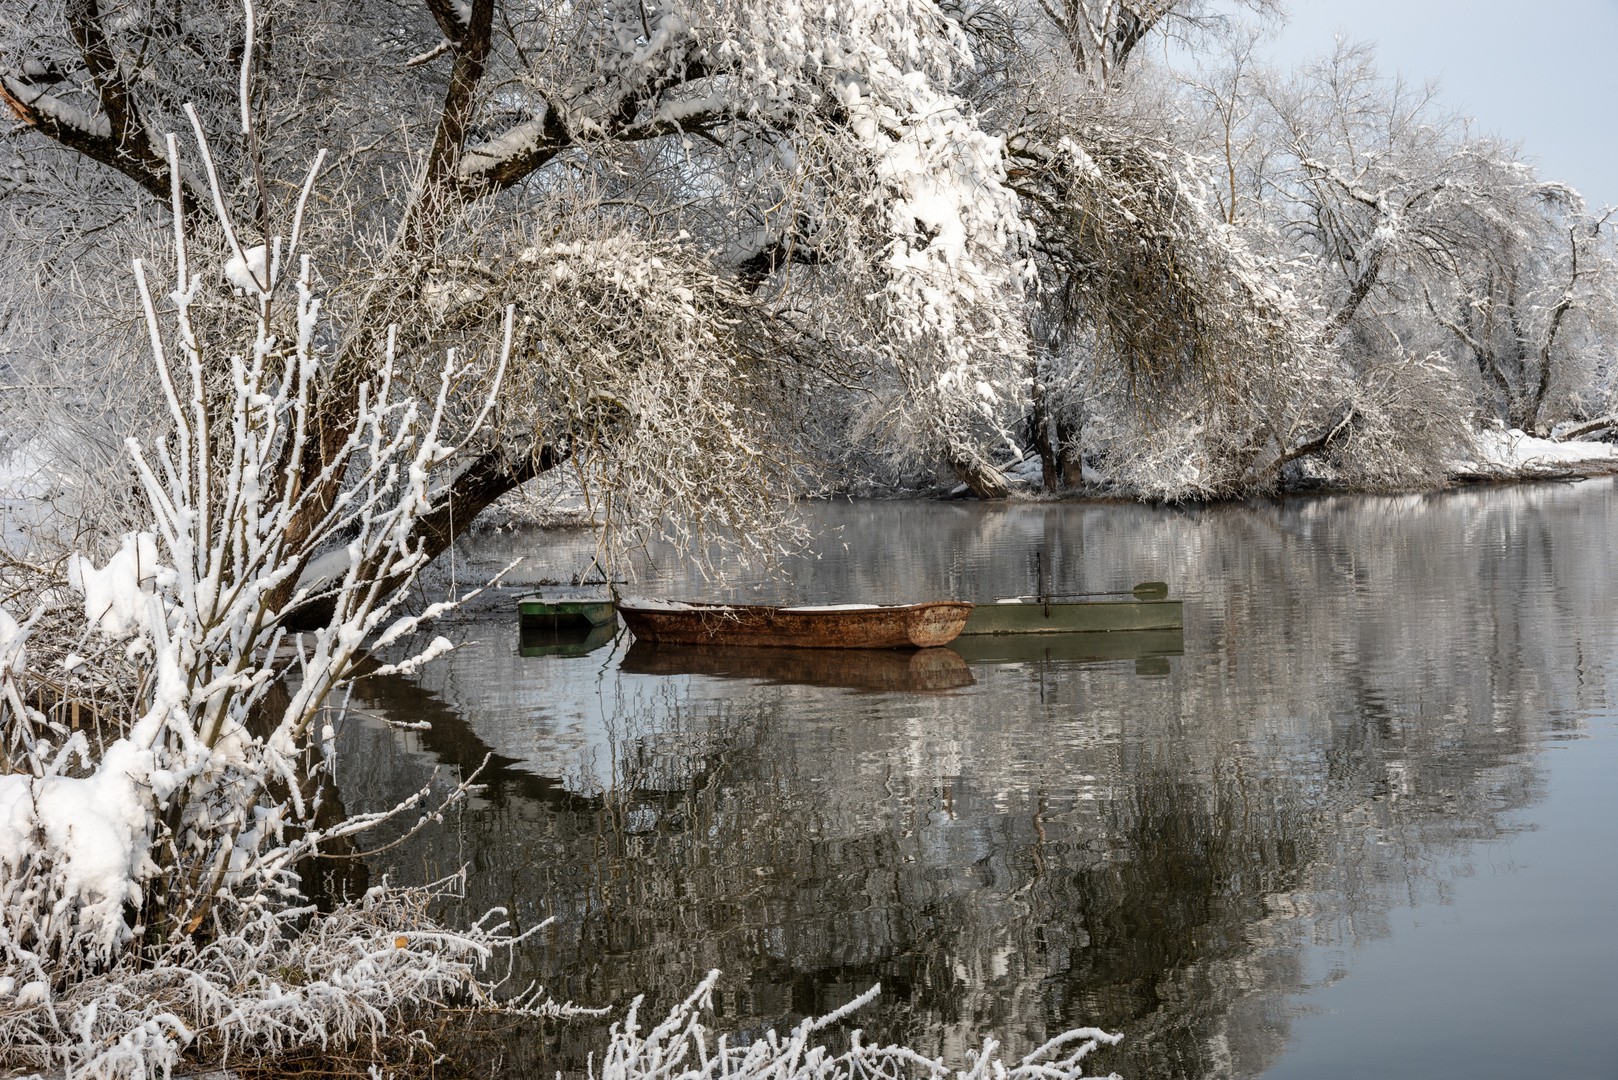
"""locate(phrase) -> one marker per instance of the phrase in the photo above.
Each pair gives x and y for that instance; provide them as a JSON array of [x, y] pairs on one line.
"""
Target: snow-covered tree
[[869, 205]]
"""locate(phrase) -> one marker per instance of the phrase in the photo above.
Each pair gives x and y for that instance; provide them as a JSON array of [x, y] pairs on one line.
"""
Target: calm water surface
[[1361, 819]]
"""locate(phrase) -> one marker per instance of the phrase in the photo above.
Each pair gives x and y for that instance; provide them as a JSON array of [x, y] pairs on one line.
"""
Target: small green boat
[[1080, 648], [1145, 609], [559, 610]]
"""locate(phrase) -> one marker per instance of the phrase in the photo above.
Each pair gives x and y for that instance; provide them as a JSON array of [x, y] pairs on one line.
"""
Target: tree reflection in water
[[1057, 843]]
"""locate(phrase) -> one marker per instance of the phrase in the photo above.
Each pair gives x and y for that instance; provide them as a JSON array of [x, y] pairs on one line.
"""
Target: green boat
[[1080, 648], [1146, 608], [559, 610]]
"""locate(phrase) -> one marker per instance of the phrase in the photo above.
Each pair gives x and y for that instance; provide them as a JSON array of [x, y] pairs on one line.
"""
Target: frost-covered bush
[[285, 979]]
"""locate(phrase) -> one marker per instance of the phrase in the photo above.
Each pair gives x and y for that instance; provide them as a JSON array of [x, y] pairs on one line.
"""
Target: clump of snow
[[252, 273], [13, 647], [1030, 470], [116, 596], [96, 838]]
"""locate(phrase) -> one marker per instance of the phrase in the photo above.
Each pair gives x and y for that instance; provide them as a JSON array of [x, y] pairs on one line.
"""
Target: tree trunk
[[1589, 427], [1039, 429], [985, 481], [1070, 453]]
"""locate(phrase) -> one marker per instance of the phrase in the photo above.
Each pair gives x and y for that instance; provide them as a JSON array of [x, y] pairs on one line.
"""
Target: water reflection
[[566, 640], [1067, 838], [912, 670]]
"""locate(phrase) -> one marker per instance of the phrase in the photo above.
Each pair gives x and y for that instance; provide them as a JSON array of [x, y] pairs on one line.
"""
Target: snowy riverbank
[[1516, 455], [1498, 455]]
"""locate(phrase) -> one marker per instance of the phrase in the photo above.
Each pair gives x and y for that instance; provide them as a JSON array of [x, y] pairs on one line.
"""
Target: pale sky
[[1540, 72]]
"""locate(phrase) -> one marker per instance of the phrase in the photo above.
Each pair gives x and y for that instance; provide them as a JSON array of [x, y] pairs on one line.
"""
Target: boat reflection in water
[[920, 670], [874, 670], [567, 639], [1150, 649]]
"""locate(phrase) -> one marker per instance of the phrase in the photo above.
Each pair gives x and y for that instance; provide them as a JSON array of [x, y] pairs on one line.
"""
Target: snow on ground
[[556, 498], [1028, 471], [1504, 454]]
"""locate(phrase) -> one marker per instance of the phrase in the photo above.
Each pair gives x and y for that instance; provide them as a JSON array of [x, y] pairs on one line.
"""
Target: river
[[1360, 819]]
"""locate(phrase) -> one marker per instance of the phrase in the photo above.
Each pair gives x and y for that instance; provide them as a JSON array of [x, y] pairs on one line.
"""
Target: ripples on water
[[1188, 840]]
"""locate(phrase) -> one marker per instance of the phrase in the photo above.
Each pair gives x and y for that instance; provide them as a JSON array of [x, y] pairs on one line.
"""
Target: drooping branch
[[527, 147], [1333, 427]]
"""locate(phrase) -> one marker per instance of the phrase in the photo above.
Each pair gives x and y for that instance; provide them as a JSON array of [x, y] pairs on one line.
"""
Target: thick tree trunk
[[985, 481], [1356, 296], [1590, 427]]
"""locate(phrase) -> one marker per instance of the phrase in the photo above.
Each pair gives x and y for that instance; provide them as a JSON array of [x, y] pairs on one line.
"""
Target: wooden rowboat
[[840, 626]]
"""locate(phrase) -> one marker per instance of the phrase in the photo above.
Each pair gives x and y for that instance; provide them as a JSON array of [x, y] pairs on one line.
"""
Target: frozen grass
[[683, 1047], [361, 976]]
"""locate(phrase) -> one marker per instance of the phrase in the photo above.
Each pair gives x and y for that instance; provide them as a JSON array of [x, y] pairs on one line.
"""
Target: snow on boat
[[833, 626]]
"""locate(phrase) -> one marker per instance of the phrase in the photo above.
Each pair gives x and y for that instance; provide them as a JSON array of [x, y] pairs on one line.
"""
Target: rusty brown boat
[[832, 626]]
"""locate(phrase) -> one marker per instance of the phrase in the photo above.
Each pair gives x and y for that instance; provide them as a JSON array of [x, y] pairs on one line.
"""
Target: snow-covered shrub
[[285, 979]]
